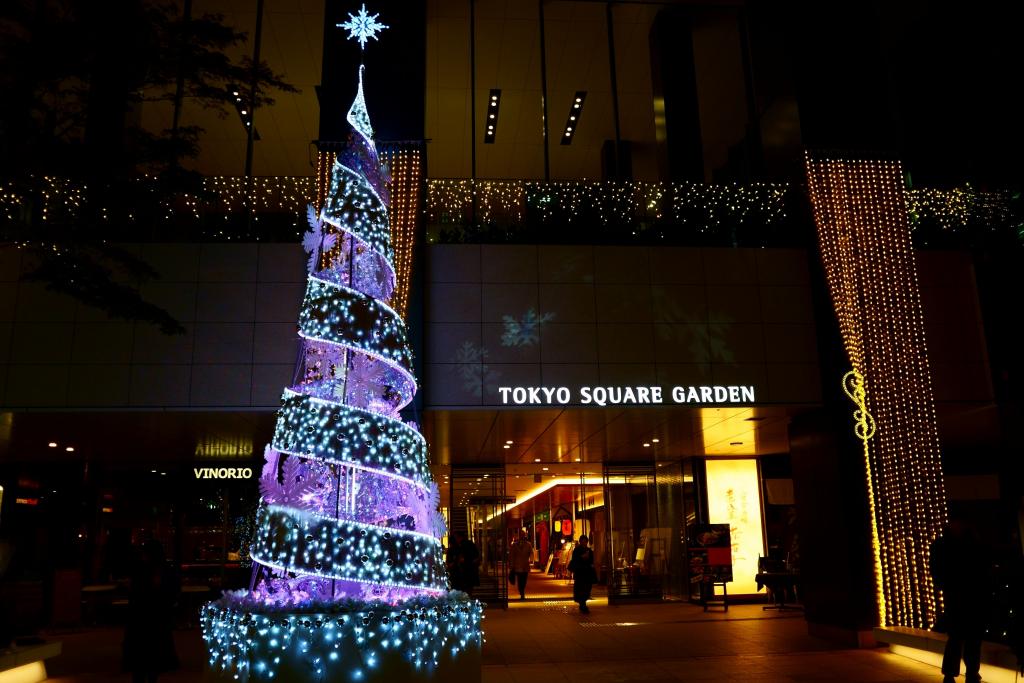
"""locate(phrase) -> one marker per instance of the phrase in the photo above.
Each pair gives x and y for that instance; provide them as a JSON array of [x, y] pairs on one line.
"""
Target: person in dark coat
[[148, 638], [463, 563], [960, 568], [583, 573]]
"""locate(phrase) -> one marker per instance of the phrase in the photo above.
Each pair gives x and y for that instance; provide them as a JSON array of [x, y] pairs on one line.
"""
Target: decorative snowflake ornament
[[362, 26], [316, 240]]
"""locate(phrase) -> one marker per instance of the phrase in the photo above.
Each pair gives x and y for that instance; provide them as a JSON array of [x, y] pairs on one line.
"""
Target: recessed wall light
[[70, 449], [492, 116], [242, 106], [52, 444], [575, 111]]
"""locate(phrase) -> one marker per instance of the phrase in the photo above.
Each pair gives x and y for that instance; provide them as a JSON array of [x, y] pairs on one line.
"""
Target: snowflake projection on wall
[[524, 331], [362, 26]]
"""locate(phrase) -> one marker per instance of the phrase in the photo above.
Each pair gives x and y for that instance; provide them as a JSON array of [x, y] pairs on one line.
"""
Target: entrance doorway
[[638, 543], [476, 511], [555, 503], [637, 515]]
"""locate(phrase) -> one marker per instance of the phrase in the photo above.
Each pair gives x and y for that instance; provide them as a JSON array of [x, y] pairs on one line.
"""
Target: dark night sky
[[395, 72], [934, 82]]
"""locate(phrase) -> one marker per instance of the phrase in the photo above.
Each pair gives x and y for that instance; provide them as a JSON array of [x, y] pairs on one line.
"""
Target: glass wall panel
[[638, 545], [477, 504], [674, 485]]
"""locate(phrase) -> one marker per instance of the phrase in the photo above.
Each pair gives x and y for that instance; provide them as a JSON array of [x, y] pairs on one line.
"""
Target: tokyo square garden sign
[[602, 396]]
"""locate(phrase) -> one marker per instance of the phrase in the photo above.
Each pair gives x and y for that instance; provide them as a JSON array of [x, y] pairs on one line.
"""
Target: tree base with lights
[[423, 639], [349, 580]]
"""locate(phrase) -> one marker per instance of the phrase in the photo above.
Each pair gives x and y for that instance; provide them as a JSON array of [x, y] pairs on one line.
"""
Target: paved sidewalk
[[547, 640], [551, 641]]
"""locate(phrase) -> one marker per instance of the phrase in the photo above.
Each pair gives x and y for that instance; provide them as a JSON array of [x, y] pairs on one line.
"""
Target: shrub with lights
[[348, 578]]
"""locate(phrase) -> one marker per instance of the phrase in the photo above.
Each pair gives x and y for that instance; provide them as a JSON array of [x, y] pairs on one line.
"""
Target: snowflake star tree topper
[[362, 26]]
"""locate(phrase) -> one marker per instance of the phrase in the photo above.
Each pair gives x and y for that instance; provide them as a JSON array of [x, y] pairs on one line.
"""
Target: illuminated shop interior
[[634, 484]]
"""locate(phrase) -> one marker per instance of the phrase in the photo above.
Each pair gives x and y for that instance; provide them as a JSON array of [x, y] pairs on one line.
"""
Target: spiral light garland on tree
[[348, 569]]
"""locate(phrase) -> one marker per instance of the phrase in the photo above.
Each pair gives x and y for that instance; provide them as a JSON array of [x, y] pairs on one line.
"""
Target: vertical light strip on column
[[864, 235], [405, 189], [324, 163], [864, 428]]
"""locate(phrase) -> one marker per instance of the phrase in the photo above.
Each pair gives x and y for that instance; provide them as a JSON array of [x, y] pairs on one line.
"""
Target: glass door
[[476, 517], [638, 549]]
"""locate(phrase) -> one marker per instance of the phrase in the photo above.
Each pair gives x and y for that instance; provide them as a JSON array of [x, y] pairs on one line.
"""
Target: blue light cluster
[[355, 207], [309, 544], [334, 313], [347, 642], [358, 117], [341, 433]]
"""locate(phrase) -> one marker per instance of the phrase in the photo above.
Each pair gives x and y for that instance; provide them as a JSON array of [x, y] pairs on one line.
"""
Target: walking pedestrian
[[583, 574], [519, 557], [463, 563]]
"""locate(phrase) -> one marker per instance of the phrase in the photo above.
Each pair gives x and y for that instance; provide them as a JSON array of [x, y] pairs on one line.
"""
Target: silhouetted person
[[960, 569], [148, 640], [8, 608], [583, 574], [463, 563], [519, 558]]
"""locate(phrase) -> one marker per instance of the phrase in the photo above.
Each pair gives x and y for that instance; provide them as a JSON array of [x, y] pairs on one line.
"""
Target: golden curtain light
[[864, 234]]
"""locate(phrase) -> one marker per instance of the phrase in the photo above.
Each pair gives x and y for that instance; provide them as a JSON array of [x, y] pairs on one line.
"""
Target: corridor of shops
[[645, 523]]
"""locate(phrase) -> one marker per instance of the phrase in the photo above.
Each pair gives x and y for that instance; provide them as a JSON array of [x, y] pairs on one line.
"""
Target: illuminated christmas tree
[[349, 579]]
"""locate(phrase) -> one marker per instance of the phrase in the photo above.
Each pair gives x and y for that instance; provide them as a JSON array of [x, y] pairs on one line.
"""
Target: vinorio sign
[[618, 395], [223, 472]]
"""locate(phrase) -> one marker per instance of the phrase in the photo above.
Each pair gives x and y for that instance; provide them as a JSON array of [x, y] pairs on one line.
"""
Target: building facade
[[622, 305]]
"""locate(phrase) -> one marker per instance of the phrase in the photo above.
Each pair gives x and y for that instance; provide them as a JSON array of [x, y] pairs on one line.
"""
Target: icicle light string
[[864, 234], [450, 201]]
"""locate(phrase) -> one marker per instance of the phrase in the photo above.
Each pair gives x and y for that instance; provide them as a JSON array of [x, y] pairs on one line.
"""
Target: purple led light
[[348, 525]]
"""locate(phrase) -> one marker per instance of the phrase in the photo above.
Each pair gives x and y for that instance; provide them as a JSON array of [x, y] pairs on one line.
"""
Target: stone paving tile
[[550, 642]]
